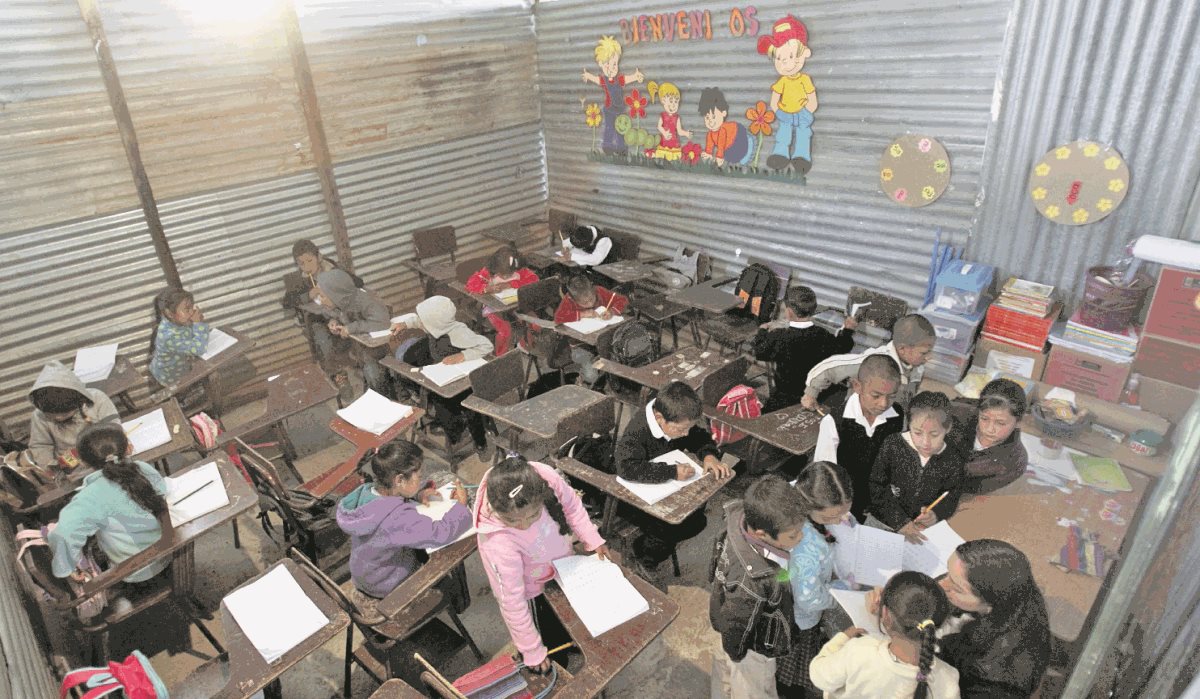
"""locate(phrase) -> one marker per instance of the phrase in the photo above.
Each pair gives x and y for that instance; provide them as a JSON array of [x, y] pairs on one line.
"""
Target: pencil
[[935, 502], [133, 429], [562, 647], [312, 281], [197, 490]]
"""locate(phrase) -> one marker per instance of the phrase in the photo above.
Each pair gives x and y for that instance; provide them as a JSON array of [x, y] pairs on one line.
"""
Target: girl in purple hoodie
[[384, 525], [524, 513]]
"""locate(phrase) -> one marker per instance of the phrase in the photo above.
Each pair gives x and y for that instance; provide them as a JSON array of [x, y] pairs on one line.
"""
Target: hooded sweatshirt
[[358, 309], [436, 316], [384, 532], [518, 562], [49, 439]]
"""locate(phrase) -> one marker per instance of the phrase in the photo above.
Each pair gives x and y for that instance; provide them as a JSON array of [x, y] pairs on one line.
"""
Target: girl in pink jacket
[[524, 513]]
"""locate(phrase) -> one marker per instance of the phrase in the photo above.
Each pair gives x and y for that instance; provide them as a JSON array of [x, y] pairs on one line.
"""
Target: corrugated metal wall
[[879, 72], [1125, 73]]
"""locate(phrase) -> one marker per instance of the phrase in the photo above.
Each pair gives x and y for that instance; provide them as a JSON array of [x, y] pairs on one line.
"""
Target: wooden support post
[[116, 99]]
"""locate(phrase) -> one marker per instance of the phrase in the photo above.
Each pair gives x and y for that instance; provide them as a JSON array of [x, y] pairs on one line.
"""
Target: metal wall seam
[[878, 74]]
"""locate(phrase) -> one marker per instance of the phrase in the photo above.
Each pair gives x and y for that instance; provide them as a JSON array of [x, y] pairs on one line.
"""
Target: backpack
[[594, 450], [132, 678], [758, 287], [739, 401], [207, 430], [89, 608], [632, 344], [680, 270]]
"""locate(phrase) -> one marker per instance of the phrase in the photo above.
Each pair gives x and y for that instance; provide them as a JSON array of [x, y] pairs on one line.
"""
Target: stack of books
[[1123, 343], [1027, 297], [1022, 315]]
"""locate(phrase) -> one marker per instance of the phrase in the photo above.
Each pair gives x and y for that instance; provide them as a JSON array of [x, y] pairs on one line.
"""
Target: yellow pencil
[[133, 429], [564, 646], [312, 281], [935, 502]]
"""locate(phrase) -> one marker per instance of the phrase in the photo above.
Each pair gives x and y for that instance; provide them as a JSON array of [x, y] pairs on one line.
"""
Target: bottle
[[1130, 397]]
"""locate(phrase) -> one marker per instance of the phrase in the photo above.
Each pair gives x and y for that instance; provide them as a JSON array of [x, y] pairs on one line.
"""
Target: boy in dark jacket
[[751, 602], [667, 424], [300, 292], [796, 345]]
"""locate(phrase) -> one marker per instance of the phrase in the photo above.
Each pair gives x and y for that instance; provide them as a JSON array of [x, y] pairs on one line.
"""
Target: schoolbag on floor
[[132, 678], [91, 607], [632, 344], [758, 287], [739, 401]]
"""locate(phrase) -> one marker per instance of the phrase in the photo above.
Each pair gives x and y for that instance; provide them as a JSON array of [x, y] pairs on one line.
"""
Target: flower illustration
[[1091, 150], [760, 125], [940, 165], [1105, 204], [924, 145], [896, 150], [886, 174], [637, 104], [1062, 152], [1080, 216], [622, 124], [690, 153], [900, 194], [1052, 211], [1042, 170], [928, 193], [1038, 193], [1112, 163], [593, 118], [1116, 185]]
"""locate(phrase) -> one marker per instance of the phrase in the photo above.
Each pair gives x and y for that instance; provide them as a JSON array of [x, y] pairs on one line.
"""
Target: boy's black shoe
[[777, 162]]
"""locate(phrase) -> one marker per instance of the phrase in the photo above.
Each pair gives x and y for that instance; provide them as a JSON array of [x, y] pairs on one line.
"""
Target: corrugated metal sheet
[[1122, 73], [878, 73], [25, 672], [59, 144]]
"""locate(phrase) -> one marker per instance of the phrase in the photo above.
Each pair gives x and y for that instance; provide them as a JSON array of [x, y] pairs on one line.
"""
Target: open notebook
[[274, 613], [599, 592], [872, 556], [148, 431], [442, 374], [373, 413], [854, 602], [654, 492], [437, 509], [586, 326], [195, 493], [218, 342]]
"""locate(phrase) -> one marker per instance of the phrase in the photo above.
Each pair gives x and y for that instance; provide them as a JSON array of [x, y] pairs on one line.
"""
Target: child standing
[[587, 300], [504, 270], [795, 345], [62, 408], [915, 468], [670, 127], [853, 431], [910, 347], [180, 335], [355, 311], [793, 96], [608, 58], [524, 513], [385, 526], [751, 602], [586, 247], [911, 609]]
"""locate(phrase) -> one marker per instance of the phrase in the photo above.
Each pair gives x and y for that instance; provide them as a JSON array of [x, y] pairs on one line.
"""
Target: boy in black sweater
[[796, 345], [668, 423]]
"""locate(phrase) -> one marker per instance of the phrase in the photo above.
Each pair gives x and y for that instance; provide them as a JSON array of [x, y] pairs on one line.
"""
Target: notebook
[[95, 363], [218, 342], [854, 603], [655, 492], [437, 509], [148, 431], [1101, 473], [507, 295], [373, 413], [442, 374], [195, 493], [930, 556], [587, 326], [866, 555], [274, 613], [599, 592]]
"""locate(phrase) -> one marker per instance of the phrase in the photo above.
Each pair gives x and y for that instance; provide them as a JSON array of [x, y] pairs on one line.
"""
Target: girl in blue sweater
[[180, 336]]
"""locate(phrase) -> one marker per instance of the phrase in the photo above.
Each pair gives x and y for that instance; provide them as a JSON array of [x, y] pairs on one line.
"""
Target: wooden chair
[[624, 393], [501, 381], [560, 221], [434, 252], [382, 654], [544, 346], [626, 246], [730, 330], [19, 491]]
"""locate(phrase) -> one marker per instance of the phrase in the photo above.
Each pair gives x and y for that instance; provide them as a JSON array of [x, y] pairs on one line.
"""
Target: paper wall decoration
[[1078, 183], [914, 170]]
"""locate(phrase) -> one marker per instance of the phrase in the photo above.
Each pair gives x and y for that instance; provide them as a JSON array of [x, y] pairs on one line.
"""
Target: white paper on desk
[[218, 342], [599, 592], [855, 604], [1060, 468], [148, 431], [274, 613], [654, 492], [195, 493], [437, 509], [507, 295], [587, 326], [95, 363], [930, 556], [442, 373], [379, 334], [374, 413], [870, 555]]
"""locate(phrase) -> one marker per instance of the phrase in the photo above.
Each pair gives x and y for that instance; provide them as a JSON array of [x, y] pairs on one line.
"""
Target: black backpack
[[632, 344], [758, 287]]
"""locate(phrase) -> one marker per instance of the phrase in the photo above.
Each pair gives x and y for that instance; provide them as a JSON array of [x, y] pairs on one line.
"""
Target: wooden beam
[[316, 133], [116, 99]]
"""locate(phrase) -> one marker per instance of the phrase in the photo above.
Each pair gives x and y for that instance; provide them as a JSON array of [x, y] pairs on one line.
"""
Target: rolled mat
[[1168, 251]]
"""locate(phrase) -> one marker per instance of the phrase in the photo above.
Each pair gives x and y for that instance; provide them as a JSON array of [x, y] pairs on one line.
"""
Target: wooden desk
[[1027, 516], [605, 657], [691, 365], [626, 271], [413, 374], [438, 270], [439, 565], [539, 416], [792, 429], [202, 369], [492, 301], [397, 689], [568, 332], [182, 438], [513, 235], [369, 342], [548, 257], [705, 297], [123, 379], [346, 472], [659, 309]]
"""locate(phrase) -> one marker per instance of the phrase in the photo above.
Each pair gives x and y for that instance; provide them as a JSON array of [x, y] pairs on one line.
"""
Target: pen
[[934, 503], [197, 490]]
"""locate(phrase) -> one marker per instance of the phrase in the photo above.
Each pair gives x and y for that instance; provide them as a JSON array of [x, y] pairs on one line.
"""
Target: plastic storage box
[[955, 333], [961, 286]]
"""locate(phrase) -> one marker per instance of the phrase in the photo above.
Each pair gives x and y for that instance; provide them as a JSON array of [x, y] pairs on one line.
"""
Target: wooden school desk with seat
[[201, 370], [123, 379], [792, 429], [344, 477], [543, 417], [434, 251], [691, 365]]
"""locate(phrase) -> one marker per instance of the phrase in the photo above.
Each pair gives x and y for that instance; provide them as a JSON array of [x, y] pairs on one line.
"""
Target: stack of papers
[[855, 604], [94, 364], [437, 509], [1053, 471], [147, 432], [373, 413], [1027, 297], [442, 373], [1058, 338], [1124, 342], [218, 342], [195, 493], [599, 592], [871, 556], [274, 613], [654, 492], [507, 295], [930, 556], [587, 326]]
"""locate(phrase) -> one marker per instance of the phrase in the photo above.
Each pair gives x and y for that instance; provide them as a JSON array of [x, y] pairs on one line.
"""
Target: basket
[[1053, 427]]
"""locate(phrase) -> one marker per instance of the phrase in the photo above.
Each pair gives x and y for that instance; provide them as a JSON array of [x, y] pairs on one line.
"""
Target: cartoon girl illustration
[[670, 126]]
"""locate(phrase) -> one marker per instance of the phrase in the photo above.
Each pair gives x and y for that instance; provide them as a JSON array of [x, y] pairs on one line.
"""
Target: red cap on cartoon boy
[[785, 29]]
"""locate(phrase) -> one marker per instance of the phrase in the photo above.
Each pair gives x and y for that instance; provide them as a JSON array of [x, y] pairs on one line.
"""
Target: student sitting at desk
[[311, 264], [62, 407], [910, 347], [852, 432], [990, 438], [180, 335], [120, 504], [667, 423], [386, 529], [355, 311], [587, 300], [525, 513], [795, 345], [504, 270], [586, 247]]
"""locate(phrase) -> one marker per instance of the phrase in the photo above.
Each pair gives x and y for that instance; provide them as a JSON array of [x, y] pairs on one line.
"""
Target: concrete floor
[[677, 664]]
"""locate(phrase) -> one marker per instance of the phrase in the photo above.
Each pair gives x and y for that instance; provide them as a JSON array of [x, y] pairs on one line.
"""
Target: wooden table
[[413, 374], [691, 365], [347, 471], [397, 689], [705, 297], [567, 331], [549, 257], [512, 235], [626, 271], [541, 415], [1027, 516], [439, 565], [369, 342], [489, 300], [438, 270], [660, 309], [792, 429], [202, 369], [123, 379]]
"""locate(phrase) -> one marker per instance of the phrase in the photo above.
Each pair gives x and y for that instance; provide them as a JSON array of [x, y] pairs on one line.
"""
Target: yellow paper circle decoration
[[1079, 183], [914, 170]]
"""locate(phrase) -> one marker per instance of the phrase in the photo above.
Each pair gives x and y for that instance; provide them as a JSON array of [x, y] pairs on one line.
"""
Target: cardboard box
[[1013, 359], [1086, 373], [1168, 360], [1175, 308], [1166, 399]]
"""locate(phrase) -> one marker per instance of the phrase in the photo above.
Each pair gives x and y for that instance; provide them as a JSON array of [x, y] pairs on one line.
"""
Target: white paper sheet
[[374, 413], [218, 342], [195, 493], [274, 613], [930, 556], [379, 334], [866, 555], [654, 492], [507, 295], [148, 431], [587, 326], [855, 605], [95, 363], [599, 592], [1060, 468], [437, 509], [442, 374]]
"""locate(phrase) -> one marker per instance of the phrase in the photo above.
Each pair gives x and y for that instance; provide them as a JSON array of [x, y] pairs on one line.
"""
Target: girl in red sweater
[[503, 270]]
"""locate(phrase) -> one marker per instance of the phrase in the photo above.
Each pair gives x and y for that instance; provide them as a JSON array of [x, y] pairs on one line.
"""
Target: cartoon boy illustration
[[670, 127], [793, 97], [608, 54], [727, 141]]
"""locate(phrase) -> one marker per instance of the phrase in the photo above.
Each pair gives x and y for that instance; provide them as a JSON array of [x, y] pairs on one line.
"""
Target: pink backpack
[[133, 678], [739, 401]]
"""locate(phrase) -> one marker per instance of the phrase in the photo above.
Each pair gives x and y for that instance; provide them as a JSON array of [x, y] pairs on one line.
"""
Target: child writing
[[586, 247], [587, 300], [384, 525], [795, 345], [120, 504], [524, 513], [916, 480], [354, 311], [751, 602], [911, 345], [180, 335], [910, 609], [504, 270], [670, 126], [855, 428], [62, 408], [991, 440]]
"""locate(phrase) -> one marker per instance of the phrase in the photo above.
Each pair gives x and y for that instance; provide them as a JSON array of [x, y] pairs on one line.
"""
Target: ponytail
[[166, 300], [104, 446], [513, 485], [928, 631], [917, 606], [824, 484]]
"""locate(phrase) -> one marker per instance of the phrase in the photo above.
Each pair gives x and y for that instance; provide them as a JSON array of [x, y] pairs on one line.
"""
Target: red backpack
[[739, 401], [132, 678]]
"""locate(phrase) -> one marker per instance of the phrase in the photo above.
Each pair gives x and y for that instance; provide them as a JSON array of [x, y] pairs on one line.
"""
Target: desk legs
[[287, 449], [610, 513], [127, 401]]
